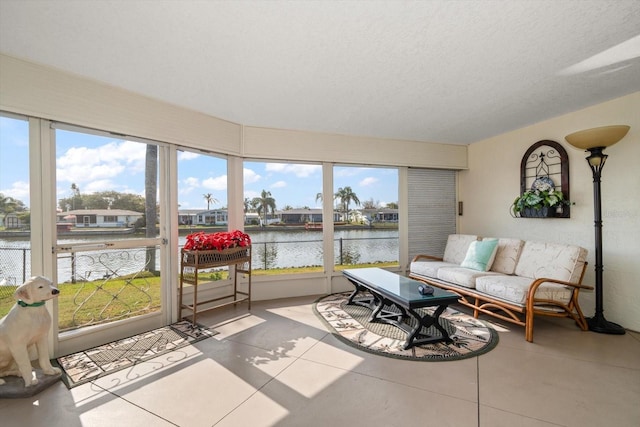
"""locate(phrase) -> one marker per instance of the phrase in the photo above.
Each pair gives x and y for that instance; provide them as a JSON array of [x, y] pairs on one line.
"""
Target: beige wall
[[264, 143], [43, 92], [492, 181]]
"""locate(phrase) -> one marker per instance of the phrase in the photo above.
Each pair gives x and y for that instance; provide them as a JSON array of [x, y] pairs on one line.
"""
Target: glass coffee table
[[392, 290]]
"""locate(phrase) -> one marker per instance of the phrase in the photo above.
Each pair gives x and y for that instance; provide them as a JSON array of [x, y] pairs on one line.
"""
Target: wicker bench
[[523, 279]]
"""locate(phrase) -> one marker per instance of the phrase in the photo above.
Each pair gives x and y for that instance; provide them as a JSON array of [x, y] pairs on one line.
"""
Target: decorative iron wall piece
[[546, 161]]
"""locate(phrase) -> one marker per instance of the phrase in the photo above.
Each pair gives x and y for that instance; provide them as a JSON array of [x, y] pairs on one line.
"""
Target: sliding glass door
[[109, 248]]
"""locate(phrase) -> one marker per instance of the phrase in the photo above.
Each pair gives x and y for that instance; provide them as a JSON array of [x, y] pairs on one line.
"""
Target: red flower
[[202, 241]]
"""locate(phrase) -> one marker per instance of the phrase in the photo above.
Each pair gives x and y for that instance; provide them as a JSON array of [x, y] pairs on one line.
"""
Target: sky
[[105, 163]]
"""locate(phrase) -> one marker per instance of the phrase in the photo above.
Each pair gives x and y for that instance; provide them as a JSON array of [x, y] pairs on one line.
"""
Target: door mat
[[350, 323], [88, 365]]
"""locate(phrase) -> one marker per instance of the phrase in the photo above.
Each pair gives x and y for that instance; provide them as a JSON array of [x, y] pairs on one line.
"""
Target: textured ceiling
[[441, 71]]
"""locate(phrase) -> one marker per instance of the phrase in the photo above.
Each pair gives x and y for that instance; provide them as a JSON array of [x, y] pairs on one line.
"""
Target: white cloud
[[84, 165], [275, 167], [300, 171], [279, 184], [216, 183], [99, 185], [368, 181], [250, 176], [348, 171], [191, 182], [19, 190], [188, 185], [187, 155]]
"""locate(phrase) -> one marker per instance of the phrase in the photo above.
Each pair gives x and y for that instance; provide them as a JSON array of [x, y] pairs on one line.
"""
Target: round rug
[[471, 337]]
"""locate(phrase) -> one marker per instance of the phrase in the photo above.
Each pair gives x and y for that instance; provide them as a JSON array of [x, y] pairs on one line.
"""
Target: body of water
[[270, 249]]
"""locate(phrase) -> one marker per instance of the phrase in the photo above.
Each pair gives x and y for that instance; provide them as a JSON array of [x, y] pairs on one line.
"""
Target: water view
[[270, 250]]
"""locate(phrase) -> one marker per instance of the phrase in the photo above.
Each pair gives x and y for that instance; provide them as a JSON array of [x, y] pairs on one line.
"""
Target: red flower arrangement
[[202, 241]]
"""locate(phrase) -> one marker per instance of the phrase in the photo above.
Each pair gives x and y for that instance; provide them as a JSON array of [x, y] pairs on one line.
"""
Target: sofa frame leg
[[528, 327]]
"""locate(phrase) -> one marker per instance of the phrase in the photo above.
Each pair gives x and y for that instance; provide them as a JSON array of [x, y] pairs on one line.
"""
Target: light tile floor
[[278, 366]]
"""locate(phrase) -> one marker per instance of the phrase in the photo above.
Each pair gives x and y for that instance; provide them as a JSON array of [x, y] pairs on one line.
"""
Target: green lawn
[[85, 303]]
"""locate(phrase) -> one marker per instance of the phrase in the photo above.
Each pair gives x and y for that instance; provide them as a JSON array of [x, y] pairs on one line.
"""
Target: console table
[[193, 261]]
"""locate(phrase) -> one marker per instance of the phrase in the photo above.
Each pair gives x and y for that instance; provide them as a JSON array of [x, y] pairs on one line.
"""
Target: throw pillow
[[480, 255]]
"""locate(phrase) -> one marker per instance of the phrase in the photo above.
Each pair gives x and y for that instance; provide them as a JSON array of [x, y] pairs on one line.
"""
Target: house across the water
[[107, 218]]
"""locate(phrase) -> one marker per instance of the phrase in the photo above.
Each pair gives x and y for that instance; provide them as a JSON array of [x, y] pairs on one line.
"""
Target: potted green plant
[[541, 201]]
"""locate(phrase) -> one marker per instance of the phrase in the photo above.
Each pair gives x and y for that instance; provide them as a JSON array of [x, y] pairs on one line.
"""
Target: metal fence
[[14, 265], [309, 253], [100, 287], [112, 284]]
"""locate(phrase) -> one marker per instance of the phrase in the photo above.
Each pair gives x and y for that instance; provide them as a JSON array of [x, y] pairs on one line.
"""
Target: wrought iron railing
[[112, 284], [102, 286], [109, 285], [305, 253]]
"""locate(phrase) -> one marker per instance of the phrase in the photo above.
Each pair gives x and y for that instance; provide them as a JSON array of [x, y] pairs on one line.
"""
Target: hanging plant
[[542, 196]]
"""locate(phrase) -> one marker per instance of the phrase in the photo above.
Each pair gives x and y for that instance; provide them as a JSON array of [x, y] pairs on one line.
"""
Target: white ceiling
[[438, 70]]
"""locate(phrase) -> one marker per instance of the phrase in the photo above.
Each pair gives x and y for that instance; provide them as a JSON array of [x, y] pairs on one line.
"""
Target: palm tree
[[76, 193], [346, 196], [210, 199], [264, 203], [319, 197]]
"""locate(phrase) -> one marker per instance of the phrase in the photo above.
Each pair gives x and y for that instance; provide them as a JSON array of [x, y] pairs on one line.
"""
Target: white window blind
[[432, 210]]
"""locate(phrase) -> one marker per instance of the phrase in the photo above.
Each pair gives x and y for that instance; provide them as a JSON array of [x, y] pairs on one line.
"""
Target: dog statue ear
[[22, 293]]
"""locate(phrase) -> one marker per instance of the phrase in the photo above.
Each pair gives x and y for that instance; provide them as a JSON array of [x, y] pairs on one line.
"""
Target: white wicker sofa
[[521, 278]]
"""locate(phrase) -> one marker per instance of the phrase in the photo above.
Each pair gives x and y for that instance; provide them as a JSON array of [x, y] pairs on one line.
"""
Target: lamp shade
[[604, 136]]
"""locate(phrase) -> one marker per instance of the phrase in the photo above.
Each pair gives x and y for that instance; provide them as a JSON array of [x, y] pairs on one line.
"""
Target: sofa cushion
[[515, 288], [480, 255], [457, 246], [507, 255], [551, 260], [429, 268], [462, 276]]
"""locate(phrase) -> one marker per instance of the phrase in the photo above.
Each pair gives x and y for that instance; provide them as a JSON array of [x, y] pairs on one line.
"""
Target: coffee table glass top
[[403, 287]]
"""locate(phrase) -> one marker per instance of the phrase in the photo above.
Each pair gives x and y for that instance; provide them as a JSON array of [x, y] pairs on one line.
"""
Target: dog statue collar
[[35, 304]]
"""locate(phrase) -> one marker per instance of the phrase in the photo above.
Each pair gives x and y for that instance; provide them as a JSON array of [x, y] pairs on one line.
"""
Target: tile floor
[[278, 366]]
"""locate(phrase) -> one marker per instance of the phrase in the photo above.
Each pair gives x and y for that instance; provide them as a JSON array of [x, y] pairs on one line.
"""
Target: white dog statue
[[25, 326]]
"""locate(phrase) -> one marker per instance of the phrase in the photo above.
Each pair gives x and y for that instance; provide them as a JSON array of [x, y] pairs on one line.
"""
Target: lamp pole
[[598, 323], [595, 141]]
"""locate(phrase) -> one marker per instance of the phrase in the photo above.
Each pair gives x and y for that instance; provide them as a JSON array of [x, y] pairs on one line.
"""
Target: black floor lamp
[[595, 141]]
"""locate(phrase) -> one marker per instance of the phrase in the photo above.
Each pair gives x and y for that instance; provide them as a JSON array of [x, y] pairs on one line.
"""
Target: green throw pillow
[[480, 255]]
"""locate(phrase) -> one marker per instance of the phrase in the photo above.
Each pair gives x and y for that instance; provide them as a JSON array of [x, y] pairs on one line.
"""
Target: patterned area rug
[[471, 337], [84, 366]]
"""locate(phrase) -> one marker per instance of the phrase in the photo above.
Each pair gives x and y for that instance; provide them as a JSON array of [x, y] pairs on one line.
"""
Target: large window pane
[[366, 216], [15, 245], [107, 236], [202, 193], [202, 204], [283, 213]]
